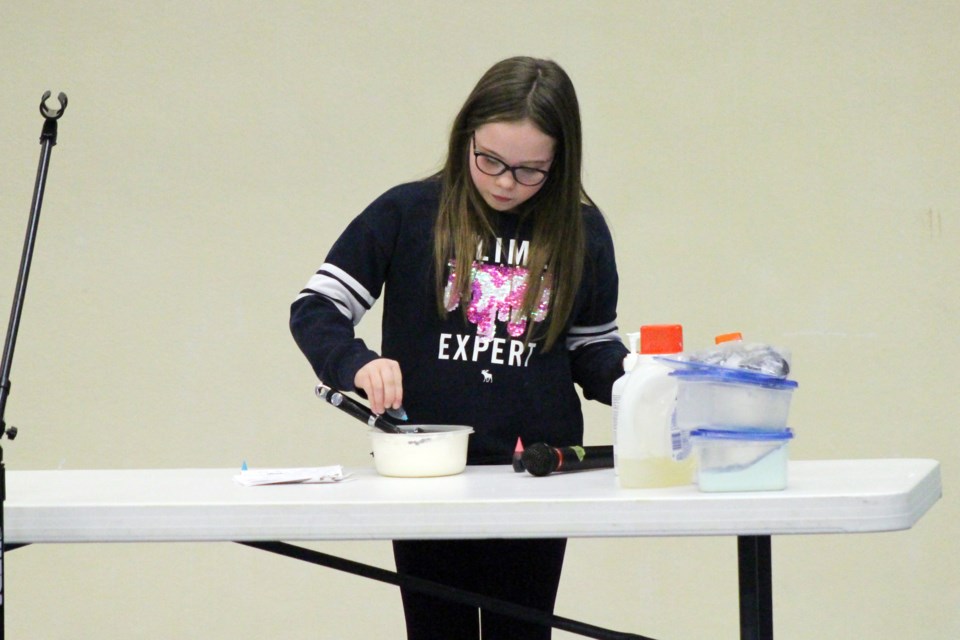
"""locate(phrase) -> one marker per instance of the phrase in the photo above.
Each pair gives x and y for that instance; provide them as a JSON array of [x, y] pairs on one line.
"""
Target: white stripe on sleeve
[[337, 285], [580, 336]]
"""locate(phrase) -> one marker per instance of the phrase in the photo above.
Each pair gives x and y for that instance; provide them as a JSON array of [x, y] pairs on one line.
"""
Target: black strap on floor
[[461, 596]]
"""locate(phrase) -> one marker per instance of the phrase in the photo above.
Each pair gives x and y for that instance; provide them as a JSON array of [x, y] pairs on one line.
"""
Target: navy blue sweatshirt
[[474, 368]]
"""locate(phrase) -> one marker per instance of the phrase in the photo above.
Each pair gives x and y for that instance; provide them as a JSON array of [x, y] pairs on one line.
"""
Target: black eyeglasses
[[527, 176]]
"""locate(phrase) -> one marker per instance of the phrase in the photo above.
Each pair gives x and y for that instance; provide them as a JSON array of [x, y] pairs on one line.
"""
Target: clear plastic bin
[[714, 397], [741, 460]]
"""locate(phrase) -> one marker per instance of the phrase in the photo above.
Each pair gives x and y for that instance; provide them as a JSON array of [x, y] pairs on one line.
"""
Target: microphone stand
[[48, 138]]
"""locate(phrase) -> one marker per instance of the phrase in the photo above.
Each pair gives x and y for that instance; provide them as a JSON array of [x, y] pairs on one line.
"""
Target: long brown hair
[[515, 89]]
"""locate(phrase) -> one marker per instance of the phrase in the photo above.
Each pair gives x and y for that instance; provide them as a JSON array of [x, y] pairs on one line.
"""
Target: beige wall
[[785, 169]]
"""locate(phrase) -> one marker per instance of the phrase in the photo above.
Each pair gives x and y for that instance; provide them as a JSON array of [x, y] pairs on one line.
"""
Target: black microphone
[[541, 459]]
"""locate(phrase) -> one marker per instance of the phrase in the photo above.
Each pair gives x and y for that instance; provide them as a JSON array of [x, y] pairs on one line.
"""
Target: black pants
[[525, 572]]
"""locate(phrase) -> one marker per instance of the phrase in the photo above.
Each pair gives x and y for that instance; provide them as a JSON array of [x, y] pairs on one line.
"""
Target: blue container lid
[[701, 372], [743, 434]]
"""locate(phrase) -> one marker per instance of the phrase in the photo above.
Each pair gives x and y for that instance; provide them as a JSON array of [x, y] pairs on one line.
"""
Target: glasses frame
[[505, 167]]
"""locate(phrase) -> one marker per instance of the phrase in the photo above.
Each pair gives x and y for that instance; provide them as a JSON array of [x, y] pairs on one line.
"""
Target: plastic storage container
[[741, 460], [441, 450], [711, 396]]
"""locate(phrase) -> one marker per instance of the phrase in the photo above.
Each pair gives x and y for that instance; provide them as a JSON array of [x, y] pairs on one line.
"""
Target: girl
[[500, 293]]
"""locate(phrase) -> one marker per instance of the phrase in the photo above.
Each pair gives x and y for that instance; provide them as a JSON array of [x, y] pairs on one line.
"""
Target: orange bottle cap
[[727, 337], [661, 338]]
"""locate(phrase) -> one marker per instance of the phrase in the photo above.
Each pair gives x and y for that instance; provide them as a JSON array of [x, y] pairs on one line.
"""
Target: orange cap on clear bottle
[[661, 338]]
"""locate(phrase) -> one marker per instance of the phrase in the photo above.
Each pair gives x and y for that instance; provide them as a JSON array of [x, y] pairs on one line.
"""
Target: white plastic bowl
[[441, 450]]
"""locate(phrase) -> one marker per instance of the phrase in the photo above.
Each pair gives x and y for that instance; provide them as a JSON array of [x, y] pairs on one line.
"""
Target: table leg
[[756, 588]]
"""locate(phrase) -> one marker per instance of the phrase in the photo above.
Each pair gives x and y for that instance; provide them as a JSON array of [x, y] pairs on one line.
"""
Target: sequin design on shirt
[[497, 293]]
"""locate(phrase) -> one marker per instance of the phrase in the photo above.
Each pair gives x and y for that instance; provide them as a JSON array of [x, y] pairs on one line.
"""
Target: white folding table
[[147, 505]]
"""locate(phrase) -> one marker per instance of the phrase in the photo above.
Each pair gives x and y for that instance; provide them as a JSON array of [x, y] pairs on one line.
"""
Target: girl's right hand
[[381, 380]]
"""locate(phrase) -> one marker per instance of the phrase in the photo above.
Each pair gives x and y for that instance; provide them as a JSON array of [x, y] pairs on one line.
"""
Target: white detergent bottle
[[629, 362], [648, 452]]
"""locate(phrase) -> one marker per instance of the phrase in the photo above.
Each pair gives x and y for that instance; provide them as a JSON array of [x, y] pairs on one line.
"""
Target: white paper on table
[[255, 477]]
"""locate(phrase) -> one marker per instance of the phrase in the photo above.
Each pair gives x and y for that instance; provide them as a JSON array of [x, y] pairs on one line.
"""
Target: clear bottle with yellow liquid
[[649, 453]]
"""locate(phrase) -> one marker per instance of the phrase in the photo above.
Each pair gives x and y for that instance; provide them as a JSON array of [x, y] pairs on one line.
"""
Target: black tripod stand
[[48, 138]]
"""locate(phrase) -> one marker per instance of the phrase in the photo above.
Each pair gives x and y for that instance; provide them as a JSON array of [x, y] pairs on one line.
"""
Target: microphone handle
[[350, 406], [593, 457], [541, 459]]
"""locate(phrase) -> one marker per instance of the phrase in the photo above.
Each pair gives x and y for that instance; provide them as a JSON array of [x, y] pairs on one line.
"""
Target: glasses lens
[[529, 177], [489, 165]]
